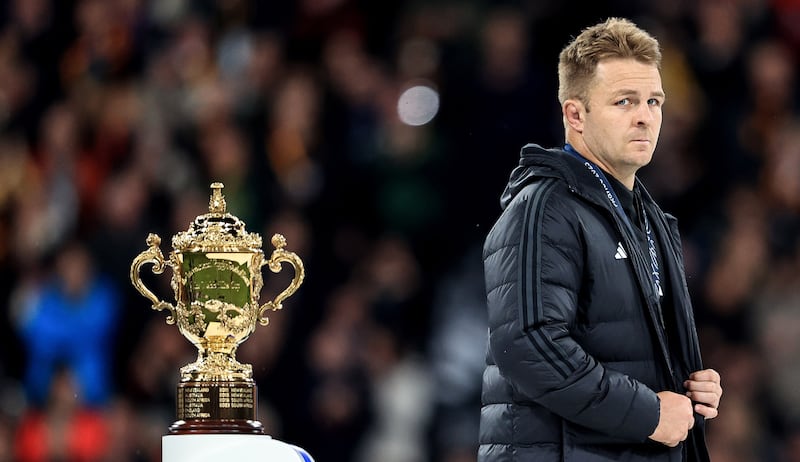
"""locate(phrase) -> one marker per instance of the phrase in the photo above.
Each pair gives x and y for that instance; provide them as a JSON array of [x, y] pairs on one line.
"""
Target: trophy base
[[204, 426], [239, 448], [216, 407]]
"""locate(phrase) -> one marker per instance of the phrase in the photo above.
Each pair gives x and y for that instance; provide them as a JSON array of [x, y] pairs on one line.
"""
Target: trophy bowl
[[216, 277]]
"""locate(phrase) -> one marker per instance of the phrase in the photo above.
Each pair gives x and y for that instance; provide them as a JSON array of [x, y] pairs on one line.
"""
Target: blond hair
[[613, 38]]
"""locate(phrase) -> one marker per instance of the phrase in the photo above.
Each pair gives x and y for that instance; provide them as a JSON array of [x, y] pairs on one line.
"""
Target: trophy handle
[[154, 256], [280, 255]]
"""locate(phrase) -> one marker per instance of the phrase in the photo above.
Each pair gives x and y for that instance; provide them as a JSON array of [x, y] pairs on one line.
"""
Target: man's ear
[[574, 113]]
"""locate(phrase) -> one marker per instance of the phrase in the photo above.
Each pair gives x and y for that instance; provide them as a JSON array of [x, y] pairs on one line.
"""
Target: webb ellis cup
[[216, 276]]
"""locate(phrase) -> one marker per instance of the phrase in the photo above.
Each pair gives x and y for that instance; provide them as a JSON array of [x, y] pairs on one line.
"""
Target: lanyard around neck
[[598, 173]]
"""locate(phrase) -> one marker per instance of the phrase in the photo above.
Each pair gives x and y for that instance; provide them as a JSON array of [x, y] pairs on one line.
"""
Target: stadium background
[[116, 115]]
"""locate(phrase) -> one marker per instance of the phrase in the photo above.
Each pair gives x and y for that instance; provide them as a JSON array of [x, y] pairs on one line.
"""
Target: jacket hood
[[537, 162]]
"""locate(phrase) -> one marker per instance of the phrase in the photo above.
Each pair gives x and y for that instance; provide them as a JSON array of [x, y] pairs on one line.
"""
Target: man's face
[[623, 117]]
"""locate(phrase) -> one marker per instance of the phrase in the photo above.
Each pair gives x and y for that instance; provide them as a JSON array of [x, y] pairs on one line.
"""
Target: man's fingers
[[703, 387], [708, 393], [706, 411], [706, 375], [711, 387], [708, 398]]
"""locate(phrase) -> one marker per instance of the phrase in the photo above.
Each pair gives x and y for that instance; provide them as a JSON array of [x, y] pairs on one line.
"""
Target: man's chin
[[641, 158]]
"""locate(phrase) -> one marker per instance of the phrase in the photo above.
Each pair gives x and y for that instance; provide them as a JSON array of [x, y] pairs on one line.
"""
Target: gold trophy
[[216, 276]]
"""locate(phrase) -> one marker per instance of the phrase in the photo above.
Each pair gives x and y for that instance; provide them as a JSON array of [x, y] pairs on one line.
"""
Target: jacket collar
[[537, 162]]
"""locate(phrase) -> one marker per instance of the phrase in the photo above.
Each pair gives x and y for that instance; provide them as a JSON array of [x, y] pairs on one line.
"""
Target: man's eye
[[654, 102], [624, 102]]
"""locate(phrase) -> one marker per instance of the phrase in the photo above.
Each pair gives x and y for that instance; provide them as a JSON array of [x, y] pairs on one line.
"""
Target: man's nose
[[644, 114]]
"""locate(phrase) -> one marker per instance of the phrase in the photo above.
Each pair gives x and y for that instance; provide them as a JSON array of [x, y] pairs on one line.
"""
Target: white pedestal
[[229, 447]]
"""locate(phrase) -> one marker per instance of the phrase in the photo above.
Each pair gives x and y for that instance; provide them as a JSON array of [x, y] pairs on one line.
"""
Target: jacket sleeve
[[534, 264]]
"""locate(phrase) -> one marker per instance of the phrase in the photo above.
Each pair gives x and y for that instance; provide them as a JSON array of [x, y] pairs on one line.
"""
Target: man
[[593, 353]]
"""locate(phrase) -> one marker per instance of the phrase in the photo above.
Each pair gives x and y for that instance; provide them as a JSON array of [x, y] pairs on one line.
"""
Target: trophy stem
[[213, 365]]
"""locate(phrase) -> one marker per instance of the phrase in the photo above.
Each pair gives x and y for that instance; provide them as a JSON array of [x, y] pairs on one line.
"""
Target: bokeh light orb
[[418, 105]]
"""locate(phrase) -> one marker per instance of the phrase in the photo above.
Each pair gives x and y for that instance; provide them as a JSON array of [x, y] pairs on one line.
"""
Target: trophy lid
[[217, 230]]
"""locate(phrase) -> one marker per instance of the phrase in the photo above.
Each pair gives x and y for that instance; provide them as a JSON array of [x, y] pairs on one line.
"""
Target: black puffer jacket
[[577, 349]]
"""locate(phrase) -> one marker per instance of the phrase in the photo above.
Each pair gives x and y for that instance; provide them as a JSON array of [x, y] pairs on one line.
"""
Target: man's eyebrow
[[628, 92]]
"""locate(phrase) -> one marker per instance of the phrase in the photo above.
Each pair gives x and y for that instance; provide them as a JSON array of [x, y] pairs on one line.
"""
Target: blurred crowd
[[116, 115]]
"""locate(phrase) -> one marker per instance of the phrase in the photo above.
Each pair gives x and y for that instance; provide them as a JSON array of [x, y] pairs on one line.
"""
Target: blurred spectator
[[337, 413], [738, 265], [291, 138], [49, 207], [401, 391], [456, 351], [67, 321], [495, 83], [63, 429]]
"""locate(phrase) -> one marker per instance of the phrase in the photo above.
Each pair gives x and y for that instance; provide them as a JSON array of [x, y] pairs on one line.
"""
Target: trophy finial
[[217, 202]]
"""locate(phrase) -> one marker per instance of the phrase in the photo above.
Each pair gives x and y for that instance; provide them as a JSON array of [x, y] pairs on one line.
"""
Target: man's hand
[[676, 419], [705, 390]]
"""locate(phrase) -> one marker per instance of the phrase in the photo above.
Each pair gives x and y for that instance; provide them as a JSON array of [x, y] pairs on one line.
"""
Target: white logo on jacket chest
[[621, 253]]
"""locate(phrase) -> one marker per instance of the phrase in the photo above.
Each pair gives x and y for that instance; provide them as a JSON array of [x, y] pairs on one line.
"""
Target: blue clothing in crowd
[[74, 333]]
